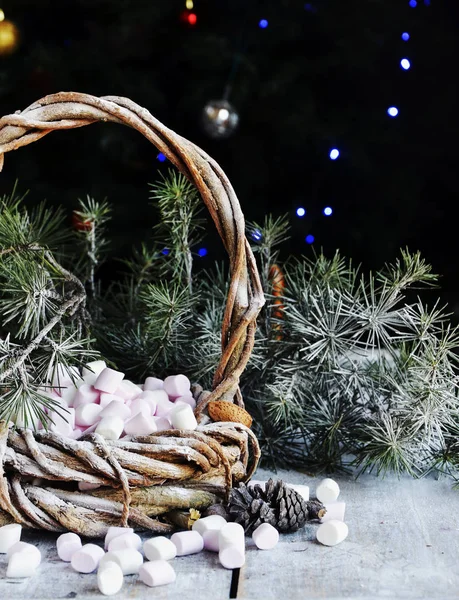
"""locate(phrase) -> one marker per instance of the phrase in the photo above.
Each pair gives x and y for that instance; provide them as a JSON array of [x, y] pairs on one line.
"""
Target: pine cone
[[277, 504]]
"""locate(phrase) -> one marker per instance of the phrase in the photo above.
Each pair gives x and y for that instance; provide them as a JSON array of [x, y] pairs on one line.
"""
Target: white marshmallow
[[94, 368], [128, 390], [150, 398], [335, 511], [187, 400], [87, 414], [177, 385], [108, 380], [210, 523], [157, 572], [140, 406], [164, 408], [114, 532], [140, 425], [29, 553], [86, 560], [9, 535], [68, 395], [187, 542], [327, 490], [127, 540], [153, 383], [303, 490], [18, 567], [232, 546], [159, 548], [182, 417], [67, 544], [162, 423], [116, 409], [332, 532], [64, 376], [211, 540], [110, 578], [265, 536], [85, 394], [128, 559], [110, 428], [63, 421], [105, 399]]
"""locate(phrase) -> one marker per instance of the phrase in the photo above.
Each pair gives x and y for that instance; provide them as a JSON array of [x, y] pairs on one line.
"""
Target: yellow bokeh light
[[2, 15], [189, 4]]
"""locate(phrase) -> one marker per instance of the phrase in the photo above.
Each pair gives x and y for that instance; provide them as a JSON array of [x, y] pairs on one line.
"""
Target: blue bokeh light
[[165, 251], [161, 157], [300, 211], [309, 239], [405, 36], [334, 153], [413, 3], [263, 23], [310, 7], [202, 252], [328, 210], [427, 2], [256, 235], [392, 111], [405, 64]]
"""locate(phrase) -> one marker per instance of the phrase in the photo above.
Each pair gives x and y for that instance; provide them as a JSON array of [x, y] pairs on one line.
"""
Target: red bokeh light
[[192, 18]]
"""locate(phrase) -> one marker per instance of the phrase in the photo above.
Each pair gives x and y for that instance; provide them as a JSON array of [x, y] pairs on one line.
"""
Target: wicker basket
[[148, 477]]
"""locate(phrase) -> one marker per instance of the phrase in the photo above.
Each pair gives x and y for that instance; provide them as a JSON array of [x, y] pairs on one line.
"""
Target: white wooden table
[[403, 543]]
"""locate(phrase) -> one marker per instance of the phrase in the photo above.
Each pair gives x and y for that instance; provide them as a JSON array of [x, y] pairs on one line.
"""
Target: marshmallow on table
[[20, 566], [159, 548], [9, 535], [113, 532], [153, 383], [87, 414], [128, 390], [332, 532], [139, 405], [157, 572], [232, 546], [116, 409], [265, 536], [177, 385], [187, 542], [211, 540], [303, 490], [85, 394], [110, 428], [127, 540], [110, 578], [86, 560], [327, 490], [335, 511], [29, 553], [106, 399], [182, 417], [210, 523], [108, 380], [162, 423], [67, 544], [128, 559], [140, 425]]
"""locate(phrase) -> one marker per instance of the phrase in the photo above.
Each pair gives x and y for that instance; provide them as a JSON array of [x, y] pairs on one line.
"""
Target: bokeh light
[[392, 111], [263, 24], [405, 64], [328, 210], [300, 211], [334, 153], [309, 239]]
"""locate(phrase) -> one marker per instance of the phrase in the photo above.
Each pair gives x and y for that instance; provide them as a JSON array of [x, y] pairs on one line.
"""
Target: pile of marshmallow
[[122, 552], [100, 400]]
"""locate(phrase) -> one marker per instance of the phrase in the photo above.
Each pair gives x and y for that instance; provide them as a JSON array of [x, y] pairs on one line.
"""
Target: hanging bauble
[[220, 119], [9, 36]]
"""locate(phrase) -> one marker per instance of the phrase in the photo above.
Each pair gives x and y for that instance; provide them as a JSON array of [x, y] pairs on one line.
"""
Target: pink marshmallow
[[186, 400], [162, 423], [187, 542], [177, 385], [128, 390], [109, 380], [153, 383], [211, 540], [87, 414], [150, 398], [114, 532], [68, 395], [85, 394], [65, 376], [140, 425], [105, 399], [127, 540], [163, 408], [116, 409], [140, 406], [64, 422], [67, 545]]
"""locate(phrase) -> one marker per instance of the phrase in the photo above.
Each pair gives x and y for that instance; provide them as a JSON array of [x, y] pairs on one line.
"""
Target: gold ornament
[[9, 36]]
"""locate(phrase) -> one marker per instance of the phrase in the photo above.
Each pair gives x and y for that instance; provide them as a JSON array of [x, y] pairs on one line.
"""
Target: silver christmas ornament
[[220, 119]]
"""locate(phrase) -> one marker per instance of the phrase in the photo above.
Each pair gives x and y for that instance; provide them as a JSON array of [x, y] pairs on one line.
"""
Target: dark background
[[321, 75]]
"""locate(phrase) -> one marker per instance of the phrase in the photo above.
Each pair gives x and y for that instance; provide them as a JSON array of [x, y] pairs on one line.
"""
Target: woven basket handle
[[68, 110]]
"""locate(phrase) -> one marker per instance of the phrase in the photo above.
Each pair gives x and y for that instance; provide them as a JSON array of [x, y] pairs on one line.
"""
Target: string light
[[328, 210], [413, 3], [405, 36], [392, 111], [263, 24], [309, 239], [300, 211], [405, 64], [256, 235], [165, 251], [189, 4], [334, 153], [192, 18], [161, 157], [202, 252]]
